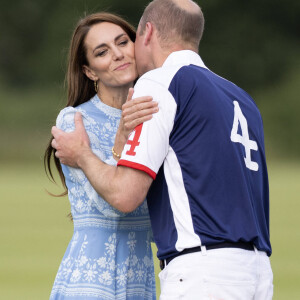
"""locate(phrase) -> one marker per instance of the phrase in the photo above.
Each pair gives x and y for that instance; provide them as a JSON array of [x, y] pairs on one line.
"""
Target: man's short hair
[[175, 24]]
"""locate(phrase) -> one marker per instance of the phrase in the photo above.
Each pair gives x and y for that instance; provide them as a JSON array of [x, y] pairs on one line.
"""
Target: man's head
[[175, 24]]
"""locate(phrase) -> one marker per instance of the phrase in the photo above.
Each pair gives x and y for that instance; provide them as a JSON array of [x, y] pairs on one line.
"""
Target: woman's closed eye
[[101, 52], [123, 42]]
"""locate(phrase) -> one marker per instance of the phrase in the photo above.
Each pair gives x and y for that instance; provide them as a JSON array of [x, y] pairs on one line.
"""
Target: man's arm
[[123, 188], [134, 112]]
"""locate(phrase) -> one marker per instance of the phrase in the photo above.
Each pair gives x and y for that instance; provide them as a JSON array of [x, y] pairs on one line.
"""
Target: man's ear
[[89, 73], [148, 33]]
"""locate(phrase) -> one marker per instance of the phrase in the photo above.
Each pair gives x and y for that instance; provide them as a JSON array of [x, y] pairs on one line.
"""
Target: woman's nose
[[118, 54]]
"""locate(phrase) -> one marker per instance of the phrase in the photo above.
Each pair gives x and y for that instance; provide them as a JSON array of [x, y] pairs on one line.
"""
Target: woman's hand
[[134, 112]]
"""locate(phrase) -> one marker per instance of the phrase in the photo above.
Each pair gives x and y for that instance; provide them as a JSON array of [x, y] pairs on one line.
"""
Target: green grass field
[[35, 231]]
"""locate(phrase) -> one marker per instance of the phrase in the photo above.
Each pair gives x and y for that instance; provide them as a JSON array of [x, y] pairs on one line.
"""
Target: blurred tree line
[[252, 43]]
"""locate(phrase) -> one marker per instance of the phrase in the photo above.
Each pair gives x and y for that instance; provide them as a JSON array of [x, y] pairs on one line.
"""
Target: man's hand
[[70, 147]]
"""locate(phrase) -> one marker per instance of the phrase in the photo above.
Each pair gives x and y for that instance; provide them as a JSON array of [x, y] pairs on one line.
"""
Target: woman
[[109, 256]]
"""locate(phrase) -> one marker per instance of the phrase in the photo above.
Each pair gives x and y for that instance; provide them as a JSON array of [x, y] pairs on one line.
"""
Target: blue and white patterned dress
[[109, 255]]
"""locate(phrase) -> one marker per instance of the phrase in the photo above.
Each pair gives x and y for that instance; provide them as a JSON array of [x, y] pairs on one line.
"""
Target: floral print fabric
[[109, 255]]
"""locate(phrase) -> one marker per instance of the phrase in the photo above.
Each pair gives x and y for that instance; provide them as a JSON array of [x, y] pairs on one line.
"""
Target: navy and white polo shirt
[[205, 151]]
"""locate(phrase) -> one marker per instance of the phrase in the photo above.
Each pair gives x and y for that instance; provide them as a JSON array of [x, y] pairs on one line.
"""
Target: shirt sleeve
[[148, 144]]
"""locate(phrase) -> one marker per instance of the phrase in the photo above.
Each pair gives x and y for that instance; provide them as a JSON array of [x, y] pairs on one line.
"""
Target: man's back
[[214, 164], [206, 150]]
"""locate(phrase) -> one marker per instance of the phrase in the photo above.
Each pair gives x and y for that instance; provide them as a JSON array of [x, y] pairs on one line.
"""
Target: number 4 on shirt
[[135, 141], [244, 138]]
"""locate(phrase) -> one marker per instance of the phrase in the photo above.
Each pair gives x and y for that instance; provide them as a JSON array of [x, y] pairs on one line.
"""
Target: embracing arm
[[124, 188], [73, 150]]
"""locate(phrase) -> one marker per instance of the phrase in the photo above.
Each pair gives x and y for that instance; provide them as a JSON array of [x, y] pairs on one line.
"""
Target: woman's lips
[[122, 67]]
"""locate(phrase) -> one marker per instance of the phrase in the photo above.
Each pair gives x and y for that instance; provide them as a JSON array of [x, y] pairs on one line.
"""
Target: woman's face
[[110, 54]]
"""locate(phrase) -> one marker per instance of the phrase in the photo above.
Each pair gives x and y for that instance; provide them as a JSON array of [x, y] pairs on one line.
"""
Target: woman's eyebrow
[[103, 44]]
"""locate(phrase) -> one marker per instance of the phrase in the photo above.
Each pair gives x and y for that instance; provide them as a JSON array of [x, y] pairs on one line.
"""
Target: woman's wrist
[[120, 141], [115, 154]]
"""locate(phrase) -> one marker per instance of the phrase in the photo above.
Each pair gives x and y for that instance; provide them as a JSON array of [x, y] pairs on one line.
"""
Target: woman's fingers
[[134, 119], [137, 111], [138, 116], [133, 102], [138, 104], [130, 94]]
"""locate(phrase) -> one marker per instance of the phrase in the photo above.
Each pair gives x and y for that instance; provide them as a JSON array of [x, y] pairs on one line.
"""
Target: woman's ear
[[89, 73]]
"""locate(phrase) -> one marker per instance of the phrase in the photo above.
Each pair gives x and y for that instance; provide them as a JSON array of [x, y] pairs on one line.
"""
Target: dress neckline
[[109, 110]]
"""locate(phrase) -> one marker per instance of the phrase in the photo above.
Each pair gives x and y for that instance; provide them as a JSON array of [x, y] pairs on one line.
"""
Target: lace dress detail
[[109, 256]]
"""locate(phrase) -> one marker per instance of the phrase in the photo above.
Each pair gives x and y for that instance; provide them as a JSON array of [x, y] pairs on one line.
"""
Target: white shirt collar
[[184, 57]]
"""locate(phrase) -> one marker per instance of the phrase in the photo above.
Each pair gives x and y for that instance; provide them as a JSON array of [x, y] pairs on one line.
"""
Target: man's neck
[[163, 54]]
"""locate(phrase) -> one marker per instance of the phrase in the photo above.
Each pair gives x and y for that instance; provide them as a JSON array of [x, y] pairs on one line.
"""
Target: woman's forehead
[[103, 33]]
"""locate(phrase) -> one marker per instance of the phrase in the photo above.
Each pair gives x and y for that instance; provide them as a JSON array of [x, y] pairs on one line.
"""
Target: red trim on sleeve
[[136, 166]]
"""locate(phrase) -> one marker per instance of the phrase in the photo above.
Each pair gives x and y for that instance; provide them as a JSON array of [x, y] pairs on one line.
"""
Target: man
[[200, 160]]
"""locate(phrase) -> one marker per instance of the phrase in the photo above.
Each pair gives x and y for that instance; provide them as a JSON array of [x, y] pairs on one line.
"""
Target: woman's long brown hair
[[80, 88]]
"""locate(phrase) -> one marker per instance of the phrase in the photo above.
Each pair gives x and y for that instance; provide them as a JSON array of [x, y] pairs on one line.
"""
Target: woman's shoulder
[[66, 117]]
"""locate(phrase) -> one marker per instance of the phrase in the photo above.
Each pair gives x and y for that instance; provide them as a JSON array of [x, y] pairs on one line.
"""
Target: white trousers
[[219, 274]]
